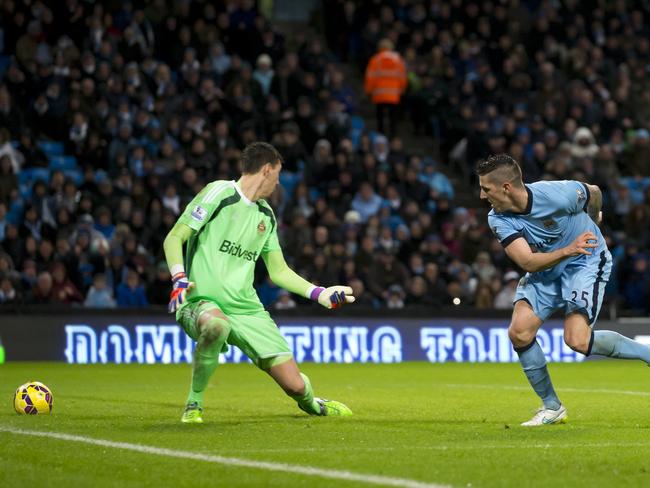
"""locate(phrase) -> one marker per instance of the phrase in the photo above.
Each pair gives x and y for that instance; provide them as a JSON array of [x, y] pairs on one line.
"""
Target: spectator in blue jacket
[[130, 293]]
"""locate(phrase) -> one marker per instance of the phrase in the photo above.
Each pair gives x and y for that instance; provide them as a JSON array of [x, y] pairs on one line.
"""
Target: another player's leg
[[284, 370], [211, 329], [522, 332]]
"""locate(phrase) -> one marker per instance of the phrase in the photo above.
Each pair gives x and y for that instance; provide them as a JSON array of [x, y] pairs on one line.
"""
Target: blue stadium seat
[[16, 210], [357, 122], [28, 176], [25, 190], [289, 181], [63, 162], [357, 127], [51, 148], [75, 175]]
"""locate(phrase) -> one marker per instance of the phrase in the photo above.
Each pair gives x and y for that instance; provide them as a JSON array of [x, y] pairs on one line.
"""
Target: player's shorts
[[580, 289], [256, 334]]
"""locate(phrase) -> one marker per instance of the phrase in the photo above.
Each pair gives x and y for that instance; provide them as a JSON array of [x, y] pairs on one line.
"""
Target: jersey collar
[[529, 204], [241, 193]]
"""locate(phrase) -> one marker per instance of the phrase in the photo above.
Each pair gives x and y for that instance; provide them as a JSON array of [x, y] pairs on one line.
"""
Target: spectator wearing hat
[[86, 227], [505, 298], [264, 72], [395, 297], [284, 301], [6, 149], [483, 267], [584, 144]]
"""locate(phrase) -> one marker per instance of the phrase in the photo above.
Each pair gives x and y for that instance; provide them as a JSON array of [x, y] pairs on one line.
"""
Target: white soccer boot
[[546, 416]]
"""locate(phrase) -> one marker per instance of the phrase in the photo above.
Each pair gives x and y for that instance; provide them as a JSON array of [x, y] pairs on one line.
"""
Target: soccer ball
[[33, 398]]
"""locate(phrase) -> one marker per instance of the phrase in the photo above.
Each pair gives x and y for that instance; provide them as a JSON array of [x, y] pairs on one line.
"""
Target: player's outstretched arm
[[173, 247], [521, 253], [595, 203], [283, 276]]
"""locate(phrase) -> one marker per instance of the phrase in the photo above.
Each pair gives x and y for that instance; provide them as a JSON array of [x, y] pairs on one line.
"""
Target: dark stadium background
[[114, 114]]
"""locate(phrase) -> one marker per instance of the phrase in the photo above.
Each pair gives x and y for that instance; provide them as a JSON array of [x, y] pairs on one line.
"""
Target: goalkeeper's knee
[[214, 331]]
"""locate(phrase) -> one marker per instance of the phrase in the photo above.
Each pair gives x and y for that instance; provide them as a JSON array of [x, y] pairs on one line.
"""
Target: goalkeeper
[[225, 229]]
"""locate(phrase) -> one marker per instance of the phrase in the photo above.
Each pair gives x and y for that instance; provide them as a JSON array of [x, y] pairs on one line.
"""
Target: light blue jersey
[[555, 216]]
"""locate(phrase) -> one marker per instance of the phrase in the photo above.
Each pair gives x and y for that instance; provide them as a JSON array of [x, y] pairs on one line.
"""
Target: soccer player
[[226, 228], [549, 228]]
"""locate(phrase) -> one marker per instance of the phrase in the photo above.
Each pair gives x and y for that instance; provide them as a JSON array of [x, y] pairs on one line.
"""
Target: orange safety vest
[[385, 77]]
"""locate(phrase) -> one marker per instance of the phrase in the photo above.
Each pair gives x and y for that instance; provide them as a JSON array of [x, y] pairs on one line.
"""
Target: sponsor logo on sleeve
[[199, 213]]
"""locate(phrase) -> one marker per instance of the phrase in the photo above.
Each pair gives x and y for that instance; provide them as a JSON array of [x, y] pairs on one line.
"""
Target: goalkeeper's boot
[[546, 416], [193, 414], [332, 408]]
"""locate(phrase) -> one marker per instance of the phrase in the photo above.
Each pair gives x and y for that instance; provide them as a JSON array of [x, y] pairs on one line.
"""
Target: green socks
[[306, 401], [206, 357]]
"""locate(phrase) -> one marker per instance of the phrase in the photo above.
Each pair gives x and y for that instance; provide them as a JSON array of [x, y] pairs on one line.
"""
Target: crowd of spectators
[[153, 100], [561, 86]]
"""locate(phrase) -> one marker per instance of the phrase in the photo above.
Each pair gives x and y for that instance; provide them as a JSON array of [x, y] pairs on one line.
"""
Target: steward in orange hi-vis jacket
[[385, 75], [385, 82]]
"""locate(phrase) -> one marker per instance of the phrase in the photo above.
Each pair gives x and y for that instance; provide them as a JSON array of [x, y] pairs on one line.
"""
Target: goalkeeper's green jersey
[[231, 233]]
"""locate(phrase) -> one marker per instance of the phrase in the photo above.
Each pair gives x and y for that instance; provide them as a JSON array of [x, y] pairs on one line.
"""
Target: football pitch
[[415, 425]]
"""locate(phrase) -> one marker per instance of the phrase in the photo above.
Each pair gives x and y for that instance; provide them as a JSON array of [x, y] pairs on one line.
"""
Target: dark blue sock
[[615, 345], [533, 361]]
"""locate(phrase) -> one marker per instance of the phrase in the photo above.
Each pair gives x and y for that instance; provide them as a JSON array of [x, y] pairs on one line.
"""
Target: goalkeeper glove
[[181, 285], [332, 297]]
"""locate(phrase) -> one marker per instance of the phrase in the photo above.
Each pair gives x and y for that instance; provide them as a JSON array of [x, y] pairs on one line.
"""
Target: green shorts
[[256, 334]]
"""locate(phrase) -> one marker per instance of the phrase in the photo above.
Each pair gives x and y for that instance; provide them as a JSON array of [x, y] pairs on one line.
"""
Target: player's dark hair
[[256, 155], [510, 167]]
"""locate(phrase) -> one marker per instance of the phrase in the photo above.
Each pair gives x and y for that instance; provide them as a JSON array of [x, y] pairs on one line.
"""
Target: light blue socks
[[533, 361], [615, 345]]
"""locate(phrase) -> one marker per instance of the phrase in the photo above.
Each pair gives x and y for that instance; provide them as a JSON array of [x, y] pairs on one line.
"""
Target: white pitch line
[[571, 390], [231, 461], [480, 447]]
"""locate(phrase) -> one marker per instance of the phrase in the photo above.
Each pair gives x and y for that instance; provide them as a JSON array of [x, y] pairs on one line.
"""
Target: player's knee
[[213, 329], [520, 336], [577, 341]]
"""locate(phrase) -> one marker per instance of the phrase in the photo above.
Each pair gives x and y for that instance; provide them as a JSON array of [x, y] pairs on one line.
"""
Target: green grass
[[453, 424]]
